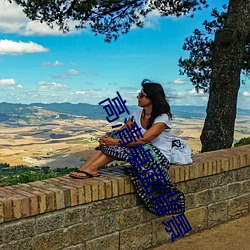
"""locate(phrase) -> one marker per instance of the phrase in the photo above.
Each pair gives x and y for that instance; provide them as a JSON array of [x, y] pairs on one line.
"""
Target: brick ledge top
[[25, 200]]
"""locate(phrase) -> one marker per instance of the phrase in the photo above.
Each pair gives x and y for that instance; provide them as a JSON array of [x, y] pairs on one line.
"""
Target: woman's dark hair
[[155, 93]]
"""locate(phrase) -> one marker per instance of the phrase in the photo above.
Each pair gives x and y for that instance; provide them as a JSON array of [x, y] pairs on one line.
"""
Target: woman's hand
[[108, 141]]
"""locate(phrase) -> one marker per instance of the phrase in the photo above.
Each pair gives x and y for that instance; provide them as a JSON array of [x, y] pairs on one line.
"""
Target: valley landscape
[[65, 135]]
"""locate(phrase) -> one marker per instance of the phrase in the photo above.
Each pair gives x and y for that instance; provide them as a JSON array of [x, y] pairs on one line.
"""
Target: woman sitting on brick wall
[[149, 154]]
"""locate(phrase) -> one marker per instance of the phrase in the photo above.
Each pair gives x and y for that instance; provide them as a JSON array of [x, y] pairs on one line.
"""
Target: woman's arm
[[150, 135], [103, 138]]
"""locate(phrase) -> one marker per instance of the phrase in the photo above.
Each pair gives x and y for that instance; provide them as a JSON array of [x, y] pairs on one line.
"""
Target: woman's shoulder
[[137, 112], [163, 118]]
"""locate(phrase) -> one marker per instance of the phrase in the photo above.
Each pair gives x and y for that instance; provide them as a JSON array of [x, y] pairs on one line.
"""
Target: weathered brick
[[24, 244], [66, 197], [108, 189], [220, 193], [201, 170], [243, 160], [96, 209], [73, 194], [87, 192], [245, 186], [121, 186], [187, 174], [196, 185], [190, 203], [33, 200], [248, 159], [240, 174], [127, 185], [7, 209], [74, 215], [205, 168], [17, 212], [59, 198], [101, 191], [247, 172], [138, 237], [203, 198], [105, 224], [41, 201], [115, 188], [129, 217], [50, 201], [80, 233], [49, 222], [107, 242], [6, 192], [231, 164], [217, 213], [94, 193], [224, 165], [173, 174], [1, 211], [18, 230], [76, 247], [78, 184], [42, 193], [159, 234], [215, 168], [197, 218], [210, 168], [51, 240], [182, 186], [234, 189], [132, 188], [238, 206], [235, 161], [181, 174]]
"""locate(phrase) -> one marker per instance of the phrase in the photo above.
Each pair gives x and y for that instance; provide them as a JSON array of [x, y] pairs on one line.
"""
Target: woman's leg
[[98, 160], [91, 159]]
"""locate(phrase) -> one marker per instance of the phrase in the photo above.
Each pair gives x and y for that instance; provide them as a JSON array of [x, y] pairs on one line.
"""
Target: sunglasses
[[140, 94]]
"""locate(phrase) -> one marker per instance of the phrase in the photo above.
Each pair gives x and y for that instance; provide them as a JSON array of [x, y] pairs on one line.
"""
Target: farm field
[[62, 143]]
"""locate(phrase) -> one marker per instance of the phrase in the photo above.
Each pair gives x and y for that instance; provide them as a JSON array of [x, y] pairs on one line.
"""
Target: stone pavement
[[232, 235]]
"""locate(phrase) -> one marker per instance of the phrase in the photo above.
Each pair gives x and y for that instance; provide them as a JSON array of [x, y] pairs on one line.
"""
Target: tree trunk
[[227, 56]]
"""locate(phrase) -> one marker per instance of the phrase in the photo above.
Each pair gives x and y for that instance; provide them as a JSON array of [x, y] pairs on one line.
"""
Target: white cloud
[[55, 63], [13, 20], [15, 48], [7, 82], [19, 86], [73, 72], [178, 81], [246, 93], [51, 86], [80, 92], [10, 84]]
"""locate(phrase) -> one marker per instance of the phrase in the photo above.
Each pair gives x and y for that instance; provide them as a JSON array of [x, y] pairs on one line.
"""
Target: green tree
[[109, 17], [199, 68], [112, 18]]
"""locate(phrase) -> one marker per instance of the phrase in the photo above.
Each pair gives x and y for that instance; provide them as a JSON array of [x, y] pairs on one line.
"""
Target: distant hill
[[10, 112]]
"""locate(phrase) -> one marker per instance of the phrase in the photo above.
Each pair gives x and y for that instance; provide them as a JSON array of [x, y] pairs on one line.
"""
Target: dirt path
[[233, 235]]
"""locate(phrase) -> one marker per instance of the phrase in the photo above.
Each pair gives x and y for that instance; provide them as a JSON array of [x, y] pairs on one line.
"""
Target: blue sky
[[38, 64]]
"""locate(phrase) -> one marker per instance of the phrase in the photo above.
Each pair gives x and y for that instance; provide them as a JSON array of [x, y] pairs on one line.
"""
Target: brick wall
[[105, 213]]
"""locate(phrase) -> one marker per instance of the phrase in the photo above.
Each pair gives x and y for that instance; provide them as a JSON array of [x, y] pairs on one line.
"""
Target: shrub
[[21, 174], [242, 142]]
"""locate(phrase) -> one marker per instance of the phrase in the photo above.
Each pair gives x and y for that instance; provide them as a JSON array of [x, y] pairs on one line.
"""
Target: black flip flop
[[88, 175]]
